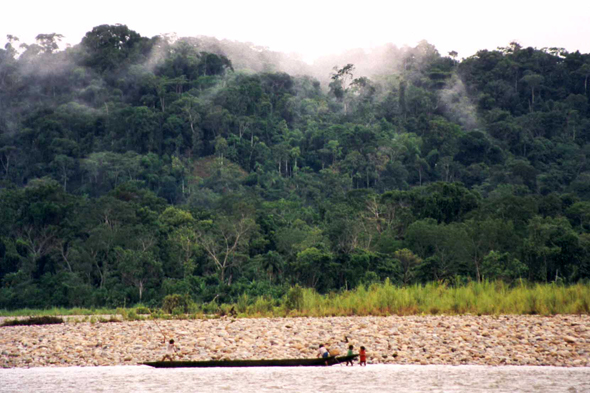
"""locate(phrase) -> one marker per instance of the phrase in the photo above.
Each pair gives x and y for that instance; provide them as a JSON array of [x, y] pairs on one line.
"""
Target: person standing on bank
[[349, 353], [363, 357]]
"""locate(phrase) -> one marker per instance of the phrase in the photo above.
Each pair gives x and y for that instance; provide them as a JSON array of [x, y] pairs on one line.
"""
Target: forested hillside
[[134, 167]]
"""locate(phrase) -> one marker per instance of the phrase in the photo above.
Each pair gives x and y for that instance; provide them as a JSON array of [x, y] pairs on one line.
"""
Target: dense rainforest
[[134, 167]]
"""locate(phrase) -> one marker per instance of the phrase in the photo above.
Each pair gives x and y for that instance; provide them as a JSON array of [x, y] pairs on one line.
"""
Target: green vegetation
[[483, 298], [44, 320], [55, 311], [198, 177], [176, 304]]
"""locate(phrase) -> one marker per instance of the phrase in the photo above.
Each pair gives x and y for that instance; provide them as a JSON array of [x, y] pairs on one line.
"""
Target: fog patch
[[457, 105]]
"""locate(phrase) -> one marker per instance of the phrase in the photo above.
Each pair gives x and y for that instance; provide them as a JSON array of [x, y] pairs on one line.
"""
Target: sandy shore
[[484, 340]]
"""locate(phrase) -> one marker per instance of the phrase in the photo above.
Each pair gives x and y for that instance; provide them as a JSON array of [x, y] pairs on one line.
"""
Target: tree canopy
[[135, 167]]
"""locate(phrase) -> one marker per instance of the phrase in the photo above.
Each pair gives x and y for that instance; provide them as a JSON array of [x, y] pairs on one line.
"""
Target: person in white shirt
[[170, 351], [323, 353]]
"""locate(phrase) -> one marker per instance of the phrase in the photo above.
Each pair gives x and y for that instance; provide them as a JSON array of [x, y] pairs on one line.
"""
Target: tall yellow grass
[[485, 298]]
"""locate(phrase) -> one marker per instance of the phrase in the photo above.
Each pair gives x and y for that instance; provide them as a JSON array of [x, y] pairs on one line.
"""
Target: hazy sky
[[313, 28]]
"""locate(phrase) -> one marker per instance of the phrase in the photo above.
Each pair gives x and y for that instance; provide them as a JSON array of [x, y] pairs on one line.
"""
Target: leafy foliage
[[135, 168]]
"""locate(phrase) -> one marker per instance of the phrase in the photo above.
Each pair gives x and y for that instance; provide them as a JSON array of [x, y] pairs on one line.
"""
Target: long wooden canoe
[[253, 363]]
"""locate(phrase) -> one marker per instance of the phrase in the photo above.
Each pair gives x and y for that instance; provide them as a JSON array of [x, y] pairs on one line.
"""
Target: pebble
[[479, 340]]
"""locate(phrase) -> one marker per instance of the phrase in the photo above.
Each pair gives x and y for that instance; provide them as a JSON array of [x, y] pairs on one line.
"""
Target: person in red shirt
[[363, 357]]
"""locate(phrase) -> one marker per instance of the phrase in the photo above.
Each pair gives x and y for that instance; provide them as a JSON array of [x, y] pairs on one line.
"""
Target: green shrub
[[210, 308], [243, 303], [112, 319], [262, 306], [176, 304], [142, 310], [295, 298]]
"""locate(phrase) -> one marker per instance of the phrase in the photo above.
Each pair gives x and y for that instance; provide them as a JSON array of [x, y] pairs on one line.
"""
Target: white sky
[[314, 28]]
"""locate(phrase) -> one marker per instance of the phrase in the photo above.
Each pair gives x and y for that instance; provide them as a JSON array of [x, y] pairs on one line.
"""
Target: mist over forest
[[132, 168]]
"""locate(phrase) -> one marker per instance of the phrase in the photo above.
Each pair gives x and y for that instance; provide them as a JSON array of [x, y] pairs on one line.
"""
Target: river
[[373, 378]]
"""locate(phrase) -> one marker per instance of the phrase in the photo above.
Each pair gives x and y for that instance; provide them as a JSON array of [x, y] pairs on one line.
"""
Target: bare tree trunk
[[64, 255]]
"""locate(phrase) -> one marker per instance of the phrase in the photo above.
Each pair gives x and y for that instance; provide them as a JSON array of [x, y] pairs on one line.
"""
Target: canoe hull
[[253, 363]]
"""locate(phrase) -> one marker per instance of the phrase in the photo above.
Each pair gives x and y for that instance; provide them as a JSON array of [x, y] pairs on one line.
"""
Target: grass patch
[[111, 319], [44, 320], [56, 311], [483, 298]]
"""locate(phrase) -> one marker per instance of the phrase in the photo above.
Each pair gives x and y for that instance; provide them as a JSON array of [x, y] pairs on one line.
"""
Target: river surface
[[373, 378]]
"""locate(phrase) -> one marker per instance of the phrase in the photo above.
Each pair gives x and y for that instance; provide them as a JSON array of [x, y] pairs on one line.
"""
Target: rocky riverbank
[[485, 340]]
